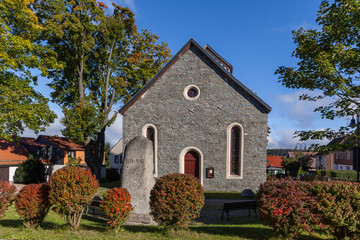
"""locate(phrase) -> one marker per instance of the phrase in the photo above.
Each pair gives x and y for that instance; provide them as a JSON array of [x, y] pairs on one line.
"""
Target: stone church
[[202, 121]]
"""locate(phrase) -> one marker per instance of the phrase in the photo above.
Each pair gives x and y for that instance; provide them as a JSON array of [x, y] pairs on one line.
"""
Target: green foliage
[[176, 199], [105, 61], [30, 171], [328, 67], [297, 164], [117, 206], [7, 194], [285, 206], [33, 203], [338, 174], [112, 175], [74, 162], [21, 105], [71, 192]]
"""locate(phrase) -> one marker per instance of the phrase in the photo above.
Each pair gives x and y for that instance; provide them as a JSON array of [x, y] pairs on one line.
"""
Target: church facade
[[202, 121]]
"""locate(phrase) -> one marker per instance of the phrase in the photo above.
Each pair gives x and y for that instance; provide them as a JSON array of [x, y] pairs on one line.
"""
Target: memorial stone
[[138, 179]]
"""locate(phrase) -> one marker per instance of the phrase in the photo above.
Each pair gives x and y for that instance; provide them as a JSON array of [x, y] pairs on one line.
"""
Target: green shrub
[[7, 194], [30, 171], [338, 174], [33, 203], [116, 204], [112, 175], [285, 206], [176, 199], [71, 192]]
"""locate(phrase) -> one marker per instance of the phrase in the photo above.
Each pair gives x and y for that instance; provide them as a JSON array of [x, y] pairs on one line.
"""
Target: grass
[[91, 227]]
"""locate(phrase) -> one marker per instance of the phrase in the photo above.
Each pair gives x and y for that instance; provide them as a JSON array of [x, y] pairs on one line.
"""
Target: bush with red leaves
[[7, 194], [33, 203], [117, 206], [176, 199], [72, 189]]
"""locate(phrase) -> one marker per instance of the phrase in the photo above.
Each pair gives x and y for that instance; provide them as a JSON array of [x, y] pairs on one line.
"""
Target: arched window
[[234, 153], [150, 132]]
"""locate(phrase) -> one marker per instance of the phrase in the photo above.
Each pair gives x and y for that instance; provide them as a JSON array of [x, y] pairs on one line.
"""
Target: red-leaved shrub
[[7, 193], [291, 207], [33, 203], [338, 205], [116, 205], [71, 192], [285, 206], [176, 199]]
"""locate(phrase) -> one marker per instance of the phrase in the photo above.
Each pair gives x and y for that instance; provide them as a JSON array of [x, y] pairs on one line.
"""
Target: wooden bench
[[251, 205]]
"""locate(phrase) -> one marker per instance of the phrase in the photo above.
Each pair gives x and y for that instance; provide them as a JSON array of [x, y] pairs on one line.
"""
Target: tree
[[329, 67], [20, 105], [106, 61]]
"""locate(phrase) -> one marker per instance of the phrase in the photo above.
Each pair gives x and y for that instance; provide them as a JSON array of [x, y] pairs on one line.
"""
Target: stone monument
[[138, 178]]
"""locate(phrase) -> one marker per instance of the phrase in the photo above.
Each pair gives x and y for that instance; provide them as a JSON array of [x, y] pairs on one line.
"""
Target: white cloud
[[53, 129], [284, 138], [300, 112], [114, 133]]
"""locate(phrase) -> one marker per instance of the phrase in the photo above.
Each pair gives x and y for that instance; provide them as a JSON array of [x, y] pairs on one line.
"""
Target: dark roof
[[63, 142], [205, 53], [31, 142], [336, 140], [219, 59]]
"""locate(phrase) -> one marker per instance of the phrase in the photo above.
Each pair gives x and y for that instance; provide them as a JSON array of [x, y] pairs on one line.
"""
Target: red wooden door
[[192, 164]]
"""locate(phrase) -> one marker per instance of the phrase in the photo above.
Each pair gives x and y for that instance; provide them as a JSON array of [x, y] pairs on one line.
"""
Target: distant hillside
[[278, 152]]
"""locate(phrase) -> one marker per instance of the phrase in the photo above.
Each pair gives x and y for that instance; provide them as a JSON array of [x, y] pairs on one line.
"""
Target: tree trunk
[[94, 153]]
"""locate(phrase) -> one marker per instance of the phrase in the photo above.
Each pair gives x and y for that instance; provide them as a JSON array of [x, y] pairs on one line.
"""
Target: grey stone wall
[[201, 123]]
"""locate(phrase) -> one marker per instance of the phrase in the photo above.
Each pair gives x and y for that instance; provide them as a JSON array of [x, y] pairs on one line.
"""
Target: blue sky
[[254, 36]]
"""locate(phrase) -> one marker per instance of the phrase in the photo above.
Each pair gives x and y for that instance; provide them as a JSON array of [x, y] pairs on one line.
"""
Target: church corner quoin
[[202, 122]]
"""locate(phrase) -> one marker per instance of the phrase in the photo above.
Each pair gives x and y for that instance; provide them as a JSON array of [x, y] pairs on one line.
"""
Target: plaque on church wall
[[210, 172]]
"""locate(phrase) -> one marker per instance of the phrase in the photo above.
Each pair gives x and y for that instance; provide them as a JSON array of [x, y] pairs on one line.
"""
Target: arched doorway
[[192, 164]]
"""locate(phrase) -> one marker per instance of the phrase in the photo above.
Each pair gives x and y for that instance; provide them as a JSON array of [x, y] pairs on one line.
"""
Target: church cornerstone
[[138, 178]]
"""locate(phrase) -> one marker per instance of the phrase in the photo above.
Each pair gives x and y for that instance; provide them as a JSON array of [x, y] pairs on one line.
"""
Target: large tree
[[329, 67], [106, 61], [20, 105]]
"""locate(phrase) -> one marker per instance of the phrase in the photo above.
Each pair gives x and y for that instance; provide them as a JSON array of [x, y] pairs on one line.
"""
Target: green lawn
[[91, 227]]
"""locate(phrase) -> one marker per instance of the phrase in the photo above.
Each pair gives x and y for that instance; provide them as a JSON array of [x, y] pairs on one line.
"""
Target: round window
[[191, 92]]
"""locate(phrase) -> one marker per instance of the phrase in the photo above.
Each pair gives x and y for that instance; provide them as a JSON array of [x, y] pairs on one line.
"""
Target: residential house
[[11, 155], [274, 165], [116, 156], [202, 121], [338, 160]]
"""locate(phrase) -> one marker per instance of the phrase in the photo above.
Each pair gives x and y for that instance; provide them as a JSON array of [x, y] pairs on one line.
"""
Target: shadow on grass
[[11, 223], [246, 231], [96, 223]]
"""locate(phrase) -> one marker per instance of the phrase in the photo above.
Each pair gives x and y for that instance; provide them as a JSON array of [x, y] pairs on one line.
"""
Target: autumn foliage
[[291, 207], [33, 203], [71, 192], [7, 193], [176, 199], [117, 206]]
